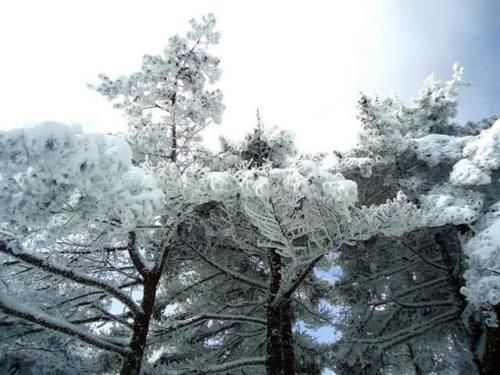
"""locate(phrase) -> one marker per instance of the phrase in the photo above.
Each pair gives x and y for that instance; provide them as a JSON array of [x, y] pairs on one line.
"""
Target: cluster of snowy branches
[[437, 284], [150, 254]]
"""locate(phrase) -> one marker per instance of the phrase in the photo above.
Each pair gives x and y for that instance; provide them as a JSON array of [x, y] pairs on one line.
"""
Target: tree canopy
[[148, 254]]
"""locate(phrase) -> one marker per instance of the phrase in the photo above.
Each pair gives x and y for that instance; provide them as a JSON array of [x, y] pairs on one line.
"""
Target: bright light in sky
[[301, 62]]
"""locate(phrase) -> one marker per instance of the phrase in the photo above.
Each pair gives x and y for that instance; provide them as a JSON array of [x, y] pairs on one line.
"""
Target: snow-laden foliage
[[477, 166], [445, 204], [170, 100], [54, 167], [436, 104], [475, 156], [412, 295], [465, 172], [382, 129], [483, 259], [264, 145], [484, 149], [388, 126], [439, 148]]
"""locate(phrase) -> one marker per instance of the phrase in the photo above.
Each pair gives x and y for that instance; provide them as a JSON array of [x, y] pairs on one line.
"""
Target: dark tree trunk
[[287, 337], [280, 359], [173, 134], [274, 355], [132, 363], [490, 362], [173, 129]]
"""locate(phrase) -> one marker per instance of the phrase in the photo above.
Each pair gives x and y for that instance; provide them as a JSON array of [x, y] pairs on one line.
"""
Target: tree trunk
[[287, 338], [490, 361], [280, 358], [274, 355], [173, 128], [132, 364]]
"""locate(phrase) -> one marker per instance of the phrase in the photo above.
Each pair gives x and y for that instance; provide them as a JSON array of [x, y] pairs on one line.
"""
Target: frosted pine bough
[[70, 170], [478, 160], [51, 165]]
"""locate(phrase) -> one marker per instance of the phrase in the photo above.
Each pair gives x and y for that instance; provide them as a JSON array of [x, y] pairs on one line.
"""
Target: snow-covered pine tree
[[397, 292], [74, 207], [172, 98], [206, 267], [69, 200]]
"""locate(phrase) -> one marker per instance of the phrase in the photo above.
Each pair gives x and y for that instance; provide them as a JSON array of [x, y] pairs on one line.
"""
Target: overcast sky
[[301, 62]]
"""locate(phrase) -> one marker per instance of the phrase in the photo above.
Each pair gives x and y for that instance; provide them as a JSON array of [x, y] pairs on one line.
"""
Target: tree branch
[[423, 259], [227, 271], [287, 293], [200, 318], [39, 317], [245, 362], [70, 274], [135, 256]]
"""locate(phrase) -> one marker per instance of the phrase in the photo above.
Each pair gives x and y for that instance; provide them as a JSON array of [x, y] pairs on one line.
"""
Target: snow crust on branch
[[484, 149], [465, 172], [475, 157], [483, 275], [53, 166], [39, 317], [303, 179], [446, 204], [436, 148]]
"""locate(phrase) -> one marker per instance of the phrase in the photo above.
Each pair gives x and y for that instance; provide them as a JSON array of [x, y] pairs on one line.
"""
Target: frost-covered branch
[[236, 275], [70, 274], [37, 316], [411, 331], [176, 325]]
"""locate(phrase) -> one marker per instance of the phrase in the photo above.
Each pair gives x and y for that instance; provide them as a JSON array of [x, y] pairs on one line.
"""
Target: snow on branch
[[37, 316], [413, 330], [70, 274], [236, 275], [44, 167], [179, 324]]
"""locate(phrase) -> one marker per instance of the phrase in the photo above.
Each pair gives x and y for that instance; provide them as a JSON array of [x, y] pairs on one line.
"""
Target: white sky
[[301, 62]]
